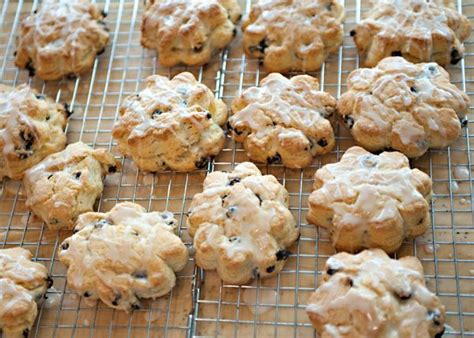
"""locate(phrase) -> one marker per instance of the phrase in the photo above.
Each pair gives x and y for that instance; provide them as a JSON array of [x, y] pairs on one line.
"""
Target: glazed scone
[[31, 127], [370, 295], [61, 38], [22, 283], [284, 119], [293, 35], [418, 30], [403, 106], [171, 124], [67, 184], [123, 255], [188, 31], [370, 201], [241, 224]]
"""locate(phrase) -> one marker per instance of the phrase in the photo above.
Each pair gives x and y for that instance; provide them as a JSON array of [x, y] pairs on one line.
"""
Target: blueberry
[[331, 271], [234, 239], [202, 163], [413, 89], [440, 334], [209, 116], [40, 97], [274, 159], [135, 306], [198, 48], [112, 169], [282, 254], [230, 211], [348, 121], [270, 269], [50, 281], [156, 113], [26, 333], [77, 175], [352, 32], [434, 316], [322, 142], [464, 121], [29, 67], [455, 56], [65, 246], [101, 51], [86, 294], [259, 198], [234, 32], [49, 176], [141, 274], [234, 180], [397, 53]]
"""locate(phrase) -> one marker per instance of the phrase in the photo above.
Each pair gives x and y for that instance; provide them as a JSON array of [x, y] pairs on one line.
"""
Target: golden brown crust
[[22, 283], [404, 106], [123, 255], [370, 201], [61, 38], [31, 127], [67, 184], [293, 35], [284, 119], [188, 31], [418, 30], [369, 295], [171, 124], [241, 224]]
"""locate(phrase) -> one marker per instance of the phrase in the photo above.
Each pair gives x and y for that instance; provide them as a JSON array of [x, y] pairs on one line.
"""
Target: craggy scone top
[[123, 255], [370, 295], [31, 127], [188, 31], [293, 35], [284, 119], [404, 106], [241, 224], [418, 30], [370, 201], [61, 38], [172, 124]]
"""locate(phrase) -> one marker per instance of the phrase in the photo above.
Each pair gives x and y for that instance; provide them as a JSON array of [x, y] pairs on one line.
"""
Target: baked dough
[[61, 38], [171, 124], [67, 184], [31, 127], [293, 35], [188, 31], [418, 30], [241, 224], [404, 106], [22, 283], [123, 255], [284, 119], [370, 201], [370, 295]]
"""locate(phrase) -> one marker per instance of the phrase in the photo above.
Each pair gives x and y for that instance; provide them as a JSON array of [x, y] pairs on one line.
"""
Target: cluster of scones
[[241, 223]]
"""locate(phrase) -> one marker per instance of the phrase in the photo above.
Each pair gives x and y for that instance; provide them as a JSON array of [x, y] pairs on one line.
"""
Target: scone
[[188, 31], [284, 120], [61, 38], [371, 295], [241, 224], [418, 30], [123, 255], [67, 184], [31, 127], [403, 106], [293, 35], [370, 201], [171, 124], [22, 283]]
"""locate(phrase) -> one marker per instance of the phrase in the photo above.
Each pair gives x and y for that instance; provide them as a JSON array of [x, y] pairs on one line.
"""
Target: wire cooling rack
[[200, 305]]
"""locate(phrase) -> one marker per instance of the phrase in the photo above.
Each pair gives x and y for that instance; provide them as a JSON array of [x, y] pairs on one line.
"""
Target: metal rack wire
[[200, 304]]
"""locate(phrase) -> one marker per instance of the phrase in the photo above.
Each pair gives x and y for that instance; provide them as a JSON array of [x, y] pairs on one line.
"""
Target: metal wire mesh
[[200, 304]]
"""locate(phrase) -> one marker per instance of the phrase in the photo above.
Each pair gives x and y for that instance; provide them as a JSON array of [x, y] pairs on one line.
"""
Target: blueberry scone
[[171, 124], [371, 295], [31, 127], [403, 106], [241, 224], [67, 184], [61, 38], [293, 35], [123, 255], [284, 119], [188, 31], [418, 30], [22, 283], [370, 201]]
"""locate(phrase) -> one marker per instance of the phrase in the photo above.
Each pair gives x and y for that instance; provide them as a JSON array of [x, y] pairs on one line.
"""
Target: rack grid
[[200, 304]]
